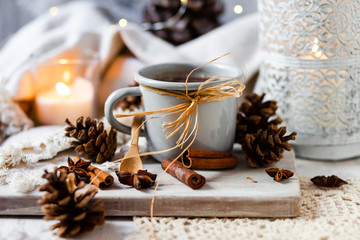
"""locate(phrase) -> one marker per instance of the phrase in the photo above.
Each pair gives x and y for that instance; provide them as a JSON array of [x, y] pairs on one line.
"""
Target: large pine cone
[[200, 17], [254, 115], [77, 212], [93, 141], [266, 146]]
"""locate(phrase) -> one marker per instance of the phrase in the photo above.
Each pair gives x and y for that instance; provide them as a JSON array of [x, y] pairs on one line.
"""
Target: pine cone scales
[[200, 17], [76, 212], [255, 115], [131, 102], [266, 146], [93, 141]]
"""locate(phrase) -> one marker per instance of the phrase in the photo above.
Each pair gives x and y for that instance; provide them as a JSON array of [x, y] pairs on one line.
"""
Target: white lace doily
[[12, 118], [21, 154], [326, 214], [33, 145]]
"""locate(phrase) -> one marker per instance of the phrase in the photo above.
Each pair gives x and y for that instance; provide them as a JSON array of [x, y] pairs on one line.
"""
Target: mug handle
[[110, 103]]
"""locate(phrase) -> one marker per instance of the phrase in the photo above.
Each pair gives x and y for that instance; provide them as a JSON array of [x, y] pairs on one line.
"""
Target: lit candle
[[73, 101], [316, 52]]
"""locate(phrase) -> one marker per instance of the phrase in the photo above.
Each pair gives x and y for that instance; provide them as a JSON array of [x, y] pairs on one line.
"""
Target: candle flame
[[317, 53], [62, 89], [315, 47]]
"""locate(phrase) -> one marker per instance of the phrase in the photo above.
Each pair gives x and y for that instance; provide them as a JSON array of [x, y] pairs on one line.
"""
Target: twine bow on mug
[[189, 109]]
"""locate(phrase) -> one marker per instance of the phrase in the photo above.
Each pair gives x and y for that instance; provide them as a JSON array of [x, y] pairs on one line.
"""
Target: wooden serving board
[[227, 193]]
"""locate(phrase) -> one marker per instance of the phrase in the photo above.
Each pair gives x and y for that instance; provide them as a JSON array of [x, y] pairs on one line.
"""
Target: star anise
[[140, 180], [79, 167], [331, 181], [278, 174]]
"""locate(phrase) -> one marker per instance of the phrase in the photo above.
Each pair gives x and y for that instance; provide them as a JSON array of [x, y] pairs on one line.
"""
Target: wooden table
[[119, 228], [227, 193]]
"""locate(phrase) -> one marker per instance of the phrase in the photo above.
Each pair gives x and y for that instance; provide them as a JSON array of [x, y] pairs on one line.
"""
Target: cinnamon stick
[[185, 175], [100, 178], [205, 159]]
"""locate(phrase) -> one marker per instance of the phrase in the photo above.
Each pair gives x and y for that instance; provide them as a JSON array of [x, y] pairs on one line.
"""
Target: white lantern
[[311, 66]]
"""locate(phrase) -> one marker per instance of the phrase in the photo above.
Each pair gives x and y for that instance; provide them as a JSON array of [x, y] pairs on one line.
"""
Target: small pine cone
[[131, 102], [93, 141], [77, 212], [254, 115], [266, 146], [200, 17]]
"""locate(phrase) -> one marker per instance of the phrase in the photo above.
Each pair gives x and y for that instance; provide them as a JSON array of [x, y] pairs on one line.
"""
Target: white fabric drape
[[85, 25]]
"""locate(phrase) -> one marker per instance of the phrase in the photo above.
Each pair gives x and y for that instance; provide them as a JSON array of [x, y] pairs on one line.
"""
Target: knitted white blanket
[[326, 214]]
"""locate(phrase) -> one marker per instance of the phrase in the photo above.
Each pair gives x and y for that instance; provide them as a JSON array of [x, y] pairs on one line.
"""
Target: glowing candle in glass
[[55, 105]]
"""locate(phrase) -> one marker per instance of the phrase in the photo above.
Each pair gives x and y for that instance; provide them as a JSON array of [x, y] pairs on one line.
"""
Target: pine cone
[[254, 115], [77, 212], [200, 17], [93, 141], [266, 146], [131, 102]]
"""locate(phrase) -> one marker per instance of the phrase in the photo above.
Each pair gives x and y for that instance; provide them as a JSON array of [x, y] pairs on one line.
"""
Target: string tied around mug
[[187, 111]]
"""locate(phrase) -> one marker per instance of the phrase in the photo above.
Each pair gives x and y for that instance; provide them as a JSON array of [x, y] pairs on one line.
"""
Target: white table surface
[[119, 228]]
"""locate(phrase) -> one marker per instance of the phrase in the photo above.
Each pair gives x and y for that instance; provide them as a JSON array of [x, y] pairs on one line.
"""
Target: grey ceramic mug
[[217, 120]]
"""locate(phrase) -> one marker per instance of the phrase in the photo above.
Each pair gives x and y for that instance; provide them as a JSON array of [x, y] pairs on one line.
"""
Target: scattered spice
[[279, 175], [84, 171], [251, 180], [100, 178], [76, 212], [185, 175], [331, 181], [79, 168], [140, 180], [205, 159]]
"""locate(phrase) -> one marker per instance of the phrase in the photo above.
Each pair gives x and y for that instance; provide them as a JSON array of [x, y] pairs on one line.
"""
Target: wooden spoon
[[133, 163]]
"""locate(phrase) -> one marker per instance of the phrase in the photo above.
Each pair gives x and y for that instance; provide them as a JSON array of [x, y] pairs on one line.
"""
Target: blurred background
[[16, 13], [54, 49]]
